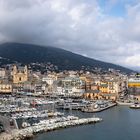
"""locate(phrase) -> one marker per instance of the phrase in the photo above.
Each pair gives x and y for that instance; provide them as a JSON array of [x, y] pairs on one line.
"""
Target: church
[[20, 74]]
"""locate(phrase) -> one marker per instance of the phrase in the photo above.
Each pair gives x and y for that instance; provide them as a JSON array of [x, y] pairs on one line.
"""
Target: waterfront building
[[2, 73], [134, 87], [49, 79], [71, 86], [110, 89], [27, 87], [31, 87], [92, 94], [5, 87], [51, 82], [59, 90], [97, 80], [94, 86], [88, 81], [110, 86], [103, 87], [134, 82]]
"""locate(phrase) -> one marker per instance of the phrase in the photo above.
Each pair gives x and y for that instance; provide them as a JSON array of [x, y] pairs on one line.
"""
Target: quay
[[94, 110], [124, 103], [90, 106], [47, 125]]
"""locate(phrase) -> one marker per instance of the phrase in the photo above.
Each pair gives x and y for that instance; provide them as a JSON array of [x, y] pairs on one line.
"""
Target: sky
[[107, 30]]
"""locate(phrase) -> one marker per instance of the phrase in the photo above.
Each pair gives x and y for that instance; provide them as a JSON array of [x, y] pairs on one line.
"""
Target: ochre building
[[20, 74]]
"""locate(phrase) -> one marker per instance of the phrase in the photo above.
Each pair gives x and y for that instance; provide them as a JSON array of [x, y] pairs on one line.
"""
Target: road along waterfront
[[120, 123]]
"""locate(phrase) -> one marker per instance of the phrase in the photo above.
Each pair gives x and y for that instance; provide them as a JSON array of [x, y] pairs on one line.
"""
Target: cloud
[[79, 26]]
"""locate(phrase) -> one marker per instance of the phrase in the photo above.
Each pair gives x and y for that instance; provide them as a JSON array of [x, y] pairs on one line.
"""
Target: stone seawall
[[29, 132]]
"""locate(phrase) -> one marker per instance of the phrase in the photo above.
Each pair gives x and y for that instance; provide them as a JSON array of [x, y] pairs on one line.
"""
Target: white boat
[[124, 103], [135, 106]]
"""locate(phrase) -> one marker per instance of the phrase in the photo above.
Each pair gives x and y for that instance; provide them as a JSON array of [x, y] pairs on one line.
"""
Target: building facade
[[20, 74], [5, 88]]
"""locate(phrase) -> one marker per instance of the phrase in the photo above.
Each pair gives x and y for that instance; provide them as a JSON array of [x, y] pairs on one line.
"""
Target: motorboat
[[135, 106]]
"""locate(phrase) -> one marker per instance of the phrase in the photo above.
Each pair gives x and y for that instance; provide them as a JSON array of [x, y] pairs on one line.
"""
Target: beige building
[[5, 88], [20, 74], [2, 72]]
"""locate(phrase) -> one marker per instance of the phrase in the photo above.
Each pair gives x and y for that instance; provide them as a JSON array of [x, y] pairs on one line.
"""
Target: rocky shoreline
[[29, 132]]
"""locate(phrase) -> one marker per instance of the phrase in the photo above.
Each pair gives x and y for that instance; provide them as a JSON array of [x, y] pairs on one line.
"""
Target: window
[[19, 78]]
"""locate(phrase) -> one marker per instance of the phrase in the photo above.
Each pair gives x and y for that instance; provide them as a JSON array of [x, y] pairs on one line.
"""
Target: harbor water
[[119, 123]]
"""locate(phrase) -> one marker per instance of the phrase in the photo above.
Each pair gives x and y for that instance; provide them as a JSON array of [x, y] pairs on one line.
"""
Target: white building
[[2, 73]]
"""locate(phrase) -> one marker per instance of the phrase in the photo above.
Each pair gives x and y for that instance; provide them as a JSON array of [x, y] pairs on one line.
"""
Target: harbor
[[117, 116], [28, 117], [24, 117]]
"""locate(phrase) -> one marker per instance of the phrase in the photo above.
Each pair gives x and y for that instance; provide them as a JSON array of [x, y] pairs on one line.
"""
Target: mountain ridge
[[65, 60]]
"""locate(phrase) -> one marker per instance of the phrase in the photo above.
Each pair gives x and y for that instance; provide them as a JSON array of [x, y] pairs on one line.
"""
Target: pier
[[47, 125], [92, 110]]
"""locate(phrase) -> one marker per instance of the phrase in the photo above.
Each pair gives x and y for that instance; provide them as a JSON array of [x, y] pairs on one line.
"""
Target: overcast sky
[[108, 30]]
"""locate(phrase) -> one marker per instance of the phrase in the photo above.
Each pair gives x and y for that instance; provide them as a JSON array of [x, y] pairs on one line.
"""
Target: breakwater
[[48, 125]]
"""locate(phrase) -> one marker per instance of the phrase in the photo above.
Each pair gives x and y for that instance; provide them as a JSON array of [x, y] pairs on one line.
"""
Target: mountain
[[65, 60]]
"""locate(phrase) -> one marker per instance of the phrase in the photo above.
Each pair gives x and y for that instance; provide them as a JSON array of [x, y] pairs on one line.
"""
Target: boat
[[25, 124], [124, 103], [67, 106], [135, 106]]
